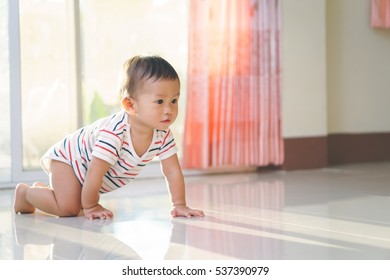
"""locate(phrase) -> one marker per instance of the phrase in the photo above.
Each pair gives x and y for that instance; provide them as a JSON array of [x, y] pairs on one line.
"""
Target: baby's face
[[157, 103]]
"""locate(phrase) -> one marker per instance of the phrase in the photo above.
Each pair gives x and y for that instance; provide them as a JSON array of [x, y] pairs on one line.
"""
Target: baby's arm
[[175, 180], [90, 192]]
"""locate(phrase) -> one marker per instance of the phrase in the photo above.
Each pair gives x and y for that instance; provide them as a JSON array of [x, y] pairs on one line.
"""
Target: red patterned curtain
[[380, 13], [233, 106]]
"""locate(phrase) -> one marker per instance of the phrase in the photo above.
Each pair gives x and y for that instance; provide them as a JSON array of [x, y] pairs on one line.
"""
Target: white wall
[[358, 69], [304, 111], [336, 69]]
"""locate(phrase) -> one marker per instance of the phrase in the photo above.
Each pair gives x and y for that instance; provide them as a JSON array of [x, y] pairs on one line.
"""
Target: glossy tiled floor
[[342, 212]]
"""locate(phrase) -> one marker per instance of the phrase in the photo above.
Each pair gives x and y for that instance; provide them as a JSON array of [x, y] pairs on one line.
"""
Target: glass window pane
[[115, 30], [5, 149], [49, 111]]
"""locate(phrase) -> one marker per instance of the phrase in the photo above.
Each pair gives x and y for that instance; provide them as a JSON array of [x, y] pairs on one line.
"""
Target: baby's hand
[[97, 212], [184, 211]]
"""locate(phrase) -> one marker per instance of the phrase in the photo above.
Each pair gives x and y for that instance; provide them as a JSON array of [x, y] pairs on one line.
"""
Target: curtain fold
[[380, 13], [233, 105]]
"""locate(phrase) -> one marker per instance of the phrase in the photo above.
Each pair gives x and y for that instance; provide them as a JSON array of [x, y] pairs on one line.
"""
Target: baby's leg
[[20, 202], [64, 196]]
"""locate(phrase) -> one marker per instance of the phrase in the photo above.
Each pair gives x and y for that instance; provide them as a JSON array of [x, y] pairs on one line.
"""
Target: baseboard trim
[[340, 148], [362, 147], [305, 153]]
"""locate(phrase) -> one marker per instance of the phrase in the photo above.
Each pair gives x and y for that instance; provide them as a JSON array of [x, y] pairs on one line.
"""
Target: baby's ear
[[129, 105]]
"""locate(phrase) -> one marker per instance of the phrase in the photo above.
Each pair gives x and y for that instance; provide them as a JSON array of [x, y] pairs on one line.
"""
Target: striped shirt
[[109, 139]]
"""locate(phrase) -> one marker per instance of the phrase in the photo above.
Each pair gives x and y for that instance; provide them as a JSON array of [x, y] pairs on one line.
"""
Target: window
[[47, 69], [62, 69]]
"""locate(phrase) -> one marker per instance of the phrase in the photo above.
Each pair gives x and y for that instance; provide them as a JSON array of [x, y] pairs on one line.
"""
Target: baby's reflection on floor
[[76, 238]]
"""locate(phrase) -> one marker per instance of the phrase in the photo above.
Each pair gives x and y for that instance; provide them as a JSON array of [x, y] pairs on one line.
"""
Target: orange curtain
[[233, 106], [380, 13]]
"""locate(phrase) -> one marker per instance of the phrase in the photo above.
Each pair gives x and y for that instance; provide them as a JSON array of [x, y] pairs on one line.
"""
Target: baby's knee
[[69, 211]]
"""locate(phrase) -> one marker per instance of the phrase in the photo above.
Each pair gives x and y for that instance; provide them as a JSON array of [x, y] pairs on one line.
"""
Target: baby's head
[[139, 69]]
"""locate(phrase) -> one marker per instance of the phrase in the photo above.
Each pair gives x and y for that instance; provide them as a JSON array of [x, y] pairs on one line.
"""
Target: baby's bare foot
[[21, 205], [40, 184]]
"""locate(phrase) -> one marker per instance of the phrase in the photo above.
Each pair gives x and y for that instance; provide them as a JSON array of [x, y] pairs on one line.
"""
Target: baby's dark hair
[[139, 68]]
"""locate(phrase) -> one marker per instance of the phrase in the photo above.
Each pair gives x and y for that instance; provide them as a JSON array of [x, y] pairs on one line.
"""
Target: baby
[[112, 151]]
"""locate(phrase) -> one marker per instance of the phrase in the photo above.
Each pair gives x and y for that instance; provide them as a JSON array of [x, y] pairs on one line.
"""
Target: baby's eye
[[160, 101], [174, 101]]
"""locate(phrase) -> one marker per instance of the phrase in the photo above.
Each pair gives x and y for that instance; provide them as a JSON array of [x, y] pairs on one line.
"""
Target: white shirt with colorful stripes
[[109, 139]]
